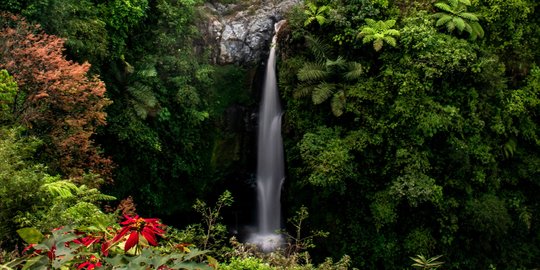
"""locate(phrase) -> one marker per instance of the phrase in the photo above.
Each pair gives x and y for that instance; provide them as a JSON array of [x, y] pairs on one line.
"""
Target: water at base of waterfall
[[267, 242]]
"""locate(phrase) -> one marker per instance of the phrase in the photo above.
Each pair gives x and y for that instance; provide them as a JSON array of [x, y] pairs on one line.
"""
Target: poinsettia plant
[[131, 244]]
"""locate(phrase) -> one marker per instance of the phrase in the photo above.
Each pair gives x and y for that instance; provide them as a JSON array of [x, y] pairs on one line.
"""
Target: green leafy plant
[[379, 32], [422, 262], [315, 13], [299, 242], [322, 80], [214, 232], [454, 16]]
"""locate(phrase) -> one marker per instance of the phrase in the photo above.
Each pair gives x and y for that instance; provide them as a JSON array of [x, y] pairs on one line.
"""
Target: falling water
[[270, 164]]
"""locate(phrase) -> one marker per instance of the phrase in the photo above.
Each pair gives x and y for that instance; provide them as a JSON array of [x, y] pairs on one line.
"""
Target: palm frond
[[322, 92]]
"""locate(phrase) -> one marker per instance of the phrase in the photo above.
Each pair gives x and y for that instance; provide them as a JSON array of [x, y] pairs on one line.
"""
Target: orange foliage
[[58, 100]]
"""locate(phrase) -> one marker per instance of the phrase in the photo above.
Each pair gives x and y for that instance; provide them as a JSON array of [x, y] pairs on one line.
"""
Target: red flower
[[136, 226], [87, 240], [92, 263]]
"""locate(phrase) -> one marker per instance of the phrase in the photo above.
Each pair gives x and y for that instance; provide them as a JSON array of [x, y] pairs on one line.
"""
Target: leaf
[[322, 92], [30, 235], [338, 103], [312, 72], [378, 44], [459, 22]]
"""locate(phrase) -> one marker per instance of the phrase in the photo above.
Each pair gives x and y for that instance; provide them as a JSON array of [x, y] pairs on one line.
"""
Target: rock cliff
[[241, 33]]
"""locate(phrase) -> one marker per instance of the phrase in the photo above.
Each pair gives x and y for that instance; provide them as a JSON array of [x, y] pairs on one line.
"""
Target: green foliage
[[20, 178], [214, 233], [327, 158], [248, 263], [454, 16], [315, 13], [324, 80], [8, 91], [379, 32], [299, 242], [422, 262]]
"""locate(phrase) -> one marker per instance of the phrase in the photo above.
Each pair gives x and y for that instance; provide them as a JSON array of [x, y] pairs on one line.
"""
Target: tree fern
[[454, 16], [323, 80], [379, 32], [315, 13]]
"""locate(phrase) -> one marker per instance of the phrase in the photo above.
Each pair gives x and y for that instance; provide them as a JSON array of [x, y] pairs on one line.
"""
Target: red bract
[[87, 240], [137, 226], [92, 263]]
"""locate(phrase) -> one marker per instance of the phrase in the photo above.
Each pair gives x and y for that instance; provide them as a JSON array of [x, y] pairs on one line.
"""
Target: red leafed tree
[[57, 100]]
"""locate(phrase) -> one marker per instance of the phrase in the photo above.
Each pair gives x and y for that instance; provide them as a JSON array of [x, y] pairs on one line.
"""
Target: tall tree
[[57, 99]]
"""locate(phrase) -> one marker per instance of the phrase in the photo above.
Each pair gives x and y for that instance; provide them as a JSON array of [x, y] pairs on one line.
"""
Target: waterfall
[[270, 161]]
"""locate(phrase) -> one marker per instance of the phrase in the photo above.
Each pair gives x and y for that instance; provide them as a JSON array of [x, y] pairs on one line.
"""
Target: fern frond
[[323, 9], [320, 19], [370, 22], [322, 92], [147, 72], [303, 91], [312, 72], [378, 44], [444, 6], [392, 32], [355, 71], [389, 24], [465, 2], [368, 39], [308, 21], [459, 22], [477, 28], [469, 16], [450, 26], [391, 41], [443, 20], [143, 94], [338, 63], [338, 103], [62, 188], [367, 31], [318, 47]]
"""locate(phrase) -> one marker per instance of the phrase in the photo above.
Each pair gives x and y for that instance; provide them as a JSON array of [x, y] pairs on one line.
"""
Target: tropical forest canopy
[[410, 128]]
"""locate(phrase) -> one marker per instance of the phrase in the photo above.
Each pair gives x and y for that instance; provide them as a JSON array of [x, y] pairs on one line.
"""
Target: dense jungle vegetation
[[410, 128]]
